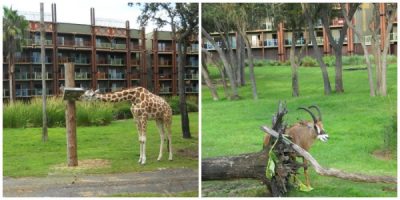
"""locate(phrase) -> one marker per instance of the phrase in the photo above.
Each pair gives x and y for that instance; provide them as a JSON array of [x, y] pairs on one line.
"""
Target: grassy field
[[25, 155], [354, 120]]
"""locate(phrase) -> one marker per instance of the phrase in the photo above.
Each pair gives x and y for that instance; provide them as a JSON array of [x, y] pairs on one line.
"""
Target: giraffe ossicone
[[145, 106]]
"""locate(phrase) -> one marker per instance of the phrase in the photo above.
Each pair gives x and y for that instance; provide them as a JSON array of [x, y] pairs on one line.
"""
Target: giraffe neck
[[134, 95]]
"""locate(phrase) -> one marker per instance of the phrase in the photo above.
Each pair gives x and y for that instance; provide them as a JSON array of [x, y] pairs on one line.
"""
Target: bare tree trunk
[[207, 79], [295, 78], [251, 65], [361, 37], [240, 60], [11, 70], [324, 71], [181, 85], [234, 95], [338, 72]]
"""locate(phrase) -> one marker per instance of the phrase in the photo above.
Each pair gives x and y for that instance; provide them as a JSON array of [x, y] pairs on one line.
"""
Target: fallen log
[[253, 165], [333, 172]]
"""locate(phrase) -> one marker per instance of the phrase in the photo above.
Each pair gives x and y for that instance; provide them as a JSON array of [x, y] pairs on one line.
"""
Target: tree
[[183, 19], [206, 75], [310, 11], [292, 15], [214, 20], [14, 27], [326, 12], [361, 37], [382, 22], [245, 17]]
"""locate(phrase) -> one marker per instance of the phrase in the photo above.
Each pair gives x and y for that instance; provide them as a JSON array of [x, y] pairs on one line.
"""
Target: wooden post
[[70, 120]]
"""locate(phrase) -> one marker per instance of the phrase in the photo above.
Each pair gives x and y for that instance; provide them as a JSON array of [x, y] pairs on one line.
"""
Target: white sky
[[78, 11]]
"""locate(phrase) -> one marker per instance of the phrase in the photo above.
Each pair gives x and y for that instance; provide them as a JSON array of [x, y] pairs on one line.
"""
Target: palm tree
[[14, 27]]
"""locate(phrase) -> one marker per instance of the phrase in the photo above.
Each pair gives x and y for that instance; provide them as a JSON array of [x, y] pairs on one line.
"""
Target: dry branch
[[333, 172]]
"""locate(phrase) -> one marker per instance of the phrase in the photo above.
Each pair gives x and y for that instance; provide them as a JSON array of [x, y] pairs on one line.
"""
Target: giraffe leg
[[143, 122], [168, 127], [160, 126], [139, 138]]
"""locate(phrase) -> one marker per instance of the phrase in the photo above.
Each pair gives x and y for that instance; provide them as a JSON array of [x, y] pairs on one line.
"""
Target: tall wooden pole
[[42, 54], [70, 121]]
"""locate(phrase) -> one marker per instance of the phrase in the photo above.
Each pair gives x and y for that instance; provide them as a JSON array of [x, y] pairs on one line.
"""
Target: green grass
[[354, 120], [25, 155]]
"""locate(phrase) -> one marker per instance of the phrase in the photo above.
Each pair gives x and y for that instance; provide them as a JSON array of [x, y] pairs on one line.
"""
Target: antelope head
[[318, 126]]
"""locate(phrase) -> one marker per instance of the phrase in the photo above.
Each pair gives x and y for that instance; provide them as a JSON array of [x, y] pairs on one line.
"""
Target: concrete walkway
[[163, 181]]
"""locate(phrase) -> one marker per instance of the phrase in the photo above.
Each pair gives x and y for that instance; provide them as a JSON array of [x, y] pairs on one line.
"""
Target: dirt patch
[[189, 153], [82, 166], [383, 154]]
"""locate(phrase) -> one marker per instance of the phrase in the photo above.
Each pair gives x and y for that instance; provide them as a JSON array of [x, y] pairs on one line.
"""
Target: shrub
[[330, 61], [353, 60], [308, 61]]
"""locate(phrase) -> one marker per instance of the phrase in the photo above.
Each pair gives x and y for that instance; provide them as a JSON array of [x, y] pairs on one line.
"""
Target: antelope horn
[[312, 115], [319, 112]]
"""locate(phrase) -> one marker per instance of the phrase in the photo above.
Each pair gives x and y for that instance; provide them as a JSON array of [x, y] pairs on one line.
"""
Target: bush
[[353, 60], [330, 61], [308, 61], [29, 114]]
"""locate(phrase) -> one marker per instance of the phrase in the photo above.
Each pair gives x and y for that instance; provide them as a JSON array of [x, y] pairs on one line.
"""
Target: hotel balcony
[[165, 63], [38, 76], [22, 76], [82, 76], [116, 76], [30, 42], [165, 76], [271, 42], [134, 46], [165, 90], [22, 93], [39, 92], [191, 76]]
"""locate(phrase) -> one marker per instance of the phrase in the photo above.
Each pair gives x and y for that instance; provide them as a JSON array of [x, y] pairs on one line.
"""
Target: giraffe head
[[89, 95]]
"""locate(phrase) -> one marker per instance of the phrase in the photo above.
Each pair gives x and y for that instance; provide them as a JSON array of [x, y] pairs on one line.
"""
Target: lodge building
[[273, 43], [106, 58]]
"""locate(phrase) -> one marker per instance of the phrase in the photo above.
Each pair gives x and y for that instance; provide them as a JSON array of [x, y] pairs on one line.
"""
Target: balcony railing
[[38, 75], [193, 76], [30, 42], [37, 60], [39, 91], [22, 92], [165, 89], [165, 76], [256, 43], [134, 46], [116, 61], [118, 75], [135, 62], [114, 89], [103, 45], [6, 93], [23, 59], [119, 46], [22, 76], [82, 75], [271, 42], [165, 62], [393, 37], [164, 48], [101, 75], [190, 89]]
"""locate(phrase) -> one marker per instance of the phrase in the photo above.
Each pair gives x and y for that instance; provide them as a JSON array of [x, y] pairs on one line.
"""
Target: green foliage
[[309, 61], [330, 61], [354, 121], [353, 60], [390, 134], [29, 114], [24, 153], [191, 102]]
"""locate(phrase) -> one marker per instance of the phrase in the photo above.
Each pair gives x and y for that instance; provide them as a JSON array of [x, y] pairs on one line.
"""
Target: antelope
[[304, 134]]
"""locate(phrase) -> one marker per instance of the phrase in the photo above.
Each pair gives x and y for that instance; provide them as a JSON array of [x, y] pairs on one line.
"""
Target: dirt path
[[162, 181]]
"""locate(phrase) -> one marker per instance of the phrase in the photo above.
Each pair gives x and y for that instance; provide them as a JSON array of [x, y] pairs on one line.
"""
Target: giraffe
[[145, 106]]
